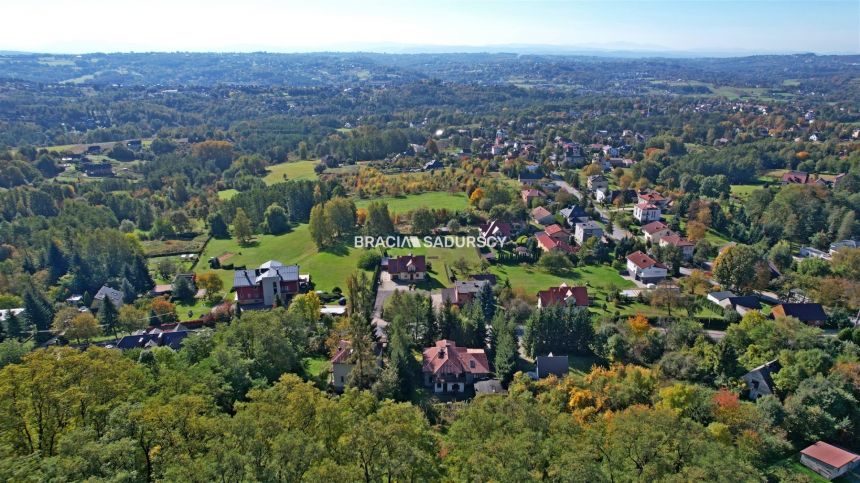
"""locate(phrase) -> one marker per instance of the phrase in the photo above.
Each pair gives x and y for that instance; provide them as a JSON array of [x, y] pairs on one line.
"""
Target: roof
[[272, 268], [115, 296], [445, 358], [642, 260], [488, 277], [489, 386], [496, 228], [531, 193], [651, 197], [767, 370], [548, 243], [470, 286], [589, 225], [404, 263], [540, 212], [749, 301], [574, 211], [550, 364], [829, 454], [654, 227], [561, 294], [805, 312], [646, 206], [720, 296], [795, 177], [553, 229], [344, 350], [530, 175], [172, 339], [677, 240]]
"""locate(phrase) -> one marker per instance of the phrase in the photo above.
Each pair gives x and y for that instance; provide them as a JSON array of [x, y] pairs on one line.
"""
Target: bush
[[369, 260]]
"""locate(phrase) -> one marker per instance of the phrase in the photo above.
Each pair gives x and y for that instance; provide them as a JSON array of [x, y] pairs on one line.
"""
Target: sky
[[724, 26]]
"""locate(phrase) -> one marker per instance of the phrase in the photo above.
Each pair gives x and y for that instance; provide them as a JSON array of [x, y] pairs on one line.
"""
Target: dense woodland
[[659, 400]]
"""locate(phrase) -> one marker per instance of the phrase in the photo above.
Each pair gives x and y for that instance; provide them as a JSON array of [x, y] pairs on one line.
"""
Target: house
[[679, 242], [795, 177], [810, 252], [829, 461], [340, 365], [155, 338], [548, 244], [489, 386], [542, 216], [550, 364], [597, 182], [264, 286], [759, 381], [431, 165], [448, 368], [407, 267], [808, 313], [843, 244], [653, 198], [97, 169], [463, 291], [573, 215], [529, 178], [655, 230], [743, 304], [646, 212], [644, 268], [115, 297], [557, 233], [563, 295], [531, 194], [719, 297], [496, 229], [607, 196], [587, 229], [4, 313]]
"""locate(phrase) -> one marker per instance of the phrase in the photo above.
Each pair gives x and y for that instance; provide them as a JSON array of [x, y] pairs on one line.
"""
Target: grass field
[[328, 269], [529, 279], [742, 191], [435, 199], [439, 258], [292, 170], [227, 194]]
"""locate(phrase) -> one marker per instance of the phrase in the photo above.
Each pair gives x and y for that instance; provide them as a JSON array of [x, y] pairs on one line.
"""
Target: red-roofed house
[[548, 244], [795, 177], [542, 216], [563, 295], [407, 267], [646, 212], [829, 461], [448, 368], [652, 197], [644, 268], [676, 240], [496, 228], [557, 233], [531, 194], [340, 365], [655, 230]]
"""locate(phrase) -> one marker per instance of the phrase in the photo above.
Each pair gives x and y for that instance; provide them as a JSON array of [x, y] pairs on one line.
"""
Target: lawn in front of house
[[432, 200], [328, 269], [439, 258], [292, 170], [529, 279]]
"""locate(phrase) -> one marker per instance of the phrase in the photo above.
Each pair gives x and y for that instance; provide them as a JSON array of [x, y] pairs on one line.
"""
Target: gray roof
[[115, 296], [489, 386], [589, 225], [550, 364], [720, 296], [251, 278]]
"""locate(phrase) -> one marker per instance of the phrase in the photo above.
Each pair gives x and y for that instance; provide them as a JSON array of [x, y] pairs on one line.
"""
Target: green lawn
[[328, 269], [742, 191], [793, 467], [435, 199], [530, 279], [292, 170], [225, 195], [315, 365], [438, 258]]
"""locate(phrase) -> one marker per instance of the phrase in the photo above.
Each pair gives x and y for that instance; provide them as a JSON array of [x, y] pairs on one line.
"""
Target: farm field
[[292, 170], [435, 199], [328, 269]]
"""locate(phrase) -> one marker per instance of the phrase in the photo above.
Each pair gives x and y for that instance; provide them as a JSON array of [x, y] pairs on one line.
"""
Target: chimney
[[441, 353]]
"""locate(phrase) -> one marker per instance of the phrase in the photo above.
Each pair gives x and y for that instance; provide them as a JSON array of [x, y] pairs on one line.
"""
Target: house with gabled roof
[[542, 216], [341, 365], [407, 267], [548, 244], [655, 230], [463, 291], [652, 197], [563, 295], [645, 269], [105, 292], [531, 194], [573, 214], [828, 460], [808, 313], [759, 380], [557, 233], [679, 242], [266, 285], [451, 369], [646, 212]]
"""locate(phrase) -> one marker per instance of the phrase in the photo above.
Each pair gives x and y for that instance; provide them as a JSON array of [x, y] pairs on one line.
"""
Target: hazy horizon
[[698, 27]]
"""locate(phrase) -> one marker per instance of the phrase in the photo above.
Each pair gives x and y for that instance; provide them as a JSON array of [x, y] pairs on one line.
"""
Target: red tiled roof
[[654, 227], [646, 206], [651, 197], [554, 229], [402, 263], [531, 193], [540, 212], [496, 228], [344, 349], [642, 260], [445, 358], [558, 295], [795, 177], [677, 240], [829, 454], [548, 243]]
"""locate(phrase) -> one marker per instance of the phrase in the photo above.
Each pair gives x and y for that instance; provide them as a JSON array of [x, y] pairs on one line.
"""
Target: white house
[[644, 268], [597, 182], [646, 213], [655, 230]]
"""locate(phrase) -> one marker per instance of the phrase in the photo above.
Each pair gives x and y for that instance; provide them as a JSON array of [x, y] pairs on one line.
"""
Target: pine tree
[[56, 261], [13, 326], [129, 294], [505, 348], [447, 322], [487, 300], [183, 290], [39, 312], [142, 279], [108, 316]]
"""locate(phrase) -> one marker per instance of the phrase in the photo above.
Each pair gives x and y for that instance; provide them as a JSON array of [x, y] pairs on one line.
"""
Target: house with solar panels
[[263, 287]]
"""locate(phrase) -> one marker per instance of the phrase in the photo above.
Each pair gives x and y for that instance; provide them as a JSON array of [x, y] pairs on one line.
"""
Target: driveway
[[386, 288]]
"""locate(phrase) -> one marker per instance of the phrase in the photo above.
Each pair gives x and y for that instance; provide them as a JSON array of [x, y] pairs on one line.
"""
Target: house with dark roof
[[451, 369], [743, 304], [808, 313], [489, 386], [106, 292], [97, 169], [597, 182], [759, 380], [587, 229], [463, 291], [529, 178], [407, 268], [645, 269], [155, 338], [573, 215], [341, 365], [263, 287], [563, 295], [828, 460], [550, 364]]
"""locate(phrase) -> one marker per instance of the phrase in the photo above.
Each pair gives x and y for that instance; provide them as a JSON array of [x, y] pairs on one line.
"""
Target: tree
[[506, 348], [164, 311], [340, 213], [320, 227], [211, 282], [242, 227], [276, 220], [217, 226], [108, 316], [423, 221], [183, 290], [75, 325], [131, 319], [13, 326], [307, 306], [737, 268], [378, 221], [780, 255], [560, 330], [56, 261], [555, 262], [37, 310]]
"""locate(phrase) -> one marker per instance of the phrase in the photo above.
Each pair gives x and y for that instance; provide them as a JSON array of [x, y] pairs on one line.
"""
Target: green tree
[[320, 227], [217, 226], [242, 227], [108, 316], [739, 268], [423, 221], [378, 221], [276, 220]]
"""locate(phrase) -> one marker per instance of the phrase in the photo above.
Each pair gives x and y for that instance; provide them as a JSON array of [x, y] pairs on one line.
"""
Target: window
[[472, 364], [341, 379]]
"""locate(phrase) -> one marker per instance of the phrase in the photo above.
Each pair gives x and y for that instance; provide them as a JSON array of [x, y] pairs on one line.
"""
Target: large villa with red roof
[[448, 368]]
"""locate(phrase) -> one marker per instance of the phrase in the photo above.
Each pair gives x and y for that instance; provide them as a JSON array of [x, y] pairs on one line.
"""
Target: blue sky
[[822, 26]]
